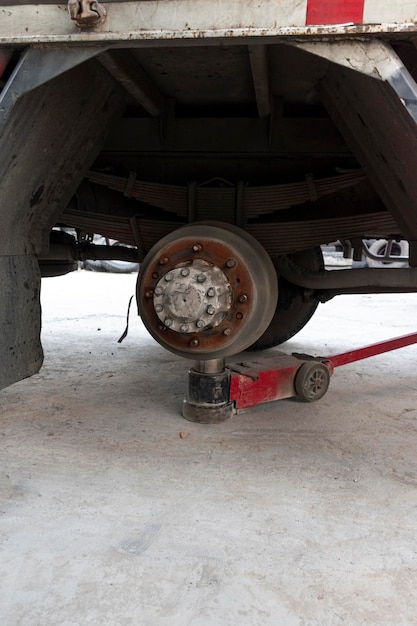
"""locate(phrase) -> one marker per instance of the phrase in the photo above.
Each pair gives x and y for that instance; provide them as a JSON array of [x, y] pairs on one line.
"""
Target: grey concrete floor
[[290, 514]]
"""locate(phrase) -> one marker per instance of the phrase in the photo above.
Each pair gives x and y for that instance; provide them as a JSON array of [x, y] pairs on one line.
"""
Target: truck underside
[[201, 154]]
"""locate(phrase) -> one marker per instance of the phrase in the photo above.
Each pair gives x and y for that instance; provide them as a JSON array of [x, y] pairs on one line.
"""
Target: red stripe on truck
[[334, 11]]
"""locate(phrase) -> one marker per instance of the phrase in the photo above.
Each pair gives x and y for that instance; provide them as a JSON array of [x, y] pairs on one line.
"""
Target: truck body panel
[[183, 20]]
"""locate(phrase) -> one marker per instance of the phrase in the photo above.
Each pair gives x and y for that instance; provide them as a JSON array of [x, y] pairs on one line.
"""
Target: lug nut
[[163, 260], [243, 298], [227, 332], [184, 328], [159, 291], [168, 322], [210, 309], [194, 343], [210, 292], [200, 323], [185, 271], [201, 278], [158, 308], [230, 263], [168, 277], [197, 247]]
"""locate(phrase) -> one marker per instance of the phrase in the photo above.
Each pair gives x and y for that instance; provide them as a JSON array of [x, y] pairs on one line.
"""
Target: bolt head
[[200, 323], [168, 322], [184, 328], [168, 277], [210, 309], [158, 308], [185, 271], [239, 315], [149, 293], [230, 263], [163, 260], [155, 275], [227, 332], [210, 292], [197, 247], [201, 278], [243, 298], [194, 343], [159, 291]]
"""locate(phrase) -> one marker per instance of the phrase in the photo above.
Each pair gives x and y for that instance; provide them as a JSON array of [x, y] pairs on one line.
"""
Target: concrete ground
[[290, 514]]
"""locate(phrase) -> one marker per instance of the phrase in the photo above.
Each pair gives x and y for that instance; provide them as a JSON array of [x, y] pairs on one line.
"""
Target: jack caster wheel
[[207, 290], [312, 381]]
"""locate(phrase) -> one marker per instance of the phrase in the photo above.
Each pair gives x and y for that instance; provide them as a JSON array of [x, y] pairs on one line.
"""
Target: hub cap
[[193, 297]]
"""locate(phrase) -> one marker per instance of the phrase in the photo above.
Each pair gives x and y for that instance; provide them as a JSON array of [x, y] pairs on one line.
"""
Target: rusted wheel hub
[[207, 290], [192, 297]]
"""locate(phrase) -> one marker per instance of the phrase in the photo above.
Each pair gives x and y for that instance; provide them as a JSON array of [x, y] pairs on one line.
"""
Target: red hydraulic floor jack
[[216, 391]]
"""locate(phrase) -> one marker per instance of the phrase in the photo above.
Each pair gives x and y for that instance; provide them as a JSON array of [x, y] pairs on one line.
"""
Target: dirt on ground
[[115, 510]]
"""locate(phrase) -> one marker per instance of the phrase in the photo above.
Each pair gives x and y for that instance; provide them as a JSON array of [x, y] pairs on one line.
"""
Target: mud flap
[[20, 347], [49, 136]]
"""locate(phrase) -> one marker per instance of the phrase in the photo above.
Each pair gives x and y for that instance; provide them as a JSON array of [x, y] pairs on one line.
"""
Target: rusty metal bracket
[[86, 13]]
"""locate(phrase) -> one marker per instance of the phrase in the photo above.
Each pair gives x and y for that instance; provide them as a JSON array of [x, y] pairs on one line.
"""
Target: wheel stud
[[210, 309], [163, 260], [227, 332], [201, 278], [185, 271], [158, 308], [210, 292], [168, 278], [149, 294], [168, 322], [197, 247], [239, 315], [230, 263], [194, 343], [159, 291], [243, 298]]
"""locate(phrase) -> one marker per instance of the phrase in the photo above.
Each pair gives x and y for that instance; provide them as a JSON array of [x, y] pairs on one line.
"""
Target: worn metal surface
[[126, 70], [275, 236], [135, 21], [35, 68], [255, 201], [373, 58], [20, 348], [257, 382], [207, 399], [279, 377], [48, 141], [207, 291], [373, 350], [382, 135], [371, 280], [42, 161], [86, 13]]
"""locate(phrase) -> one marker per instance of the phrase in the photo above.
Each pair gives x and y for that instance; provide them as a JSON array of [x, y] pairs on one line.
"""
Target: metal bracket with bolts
[[86, 13]]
